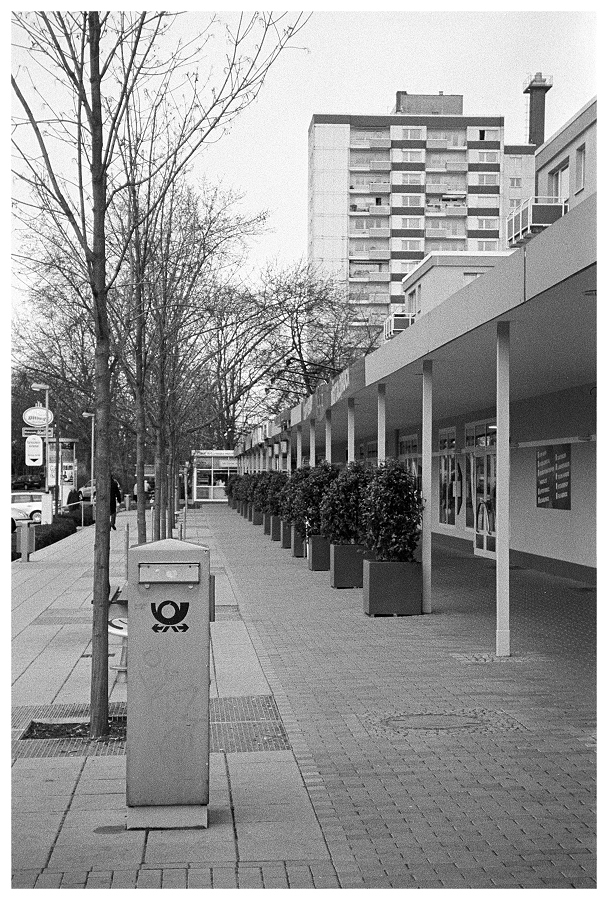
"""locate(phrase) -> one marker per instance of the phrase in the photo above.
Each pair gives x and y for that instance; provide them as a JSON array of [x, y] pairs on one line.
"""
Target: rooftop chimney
[[537, 86]]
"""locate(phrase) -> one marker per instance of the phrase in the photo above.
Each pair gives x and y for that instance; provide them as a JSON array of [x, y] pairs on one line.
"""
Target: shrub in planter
[[292, 511], [242, 490], [392, 517], [308, 513], [230, 488], [260, 493], [273, 503], [342, 525]]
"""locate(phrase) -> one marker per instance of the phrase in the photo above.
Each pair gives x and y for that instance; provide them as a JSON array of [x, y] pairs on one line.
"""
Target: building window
[[483, 201], [411, 245], [580, 168], [488, 134], [487, 224], [487, 245], [412, 155], [411, 222], [447, 476], [488, 178], [470, 276], [408, 453], [411, 178], [411, 302], [412, 134], [515, 182], [488, 156], [452, 138], [515, 163], [411, 200], [514, 203], [559, 183]]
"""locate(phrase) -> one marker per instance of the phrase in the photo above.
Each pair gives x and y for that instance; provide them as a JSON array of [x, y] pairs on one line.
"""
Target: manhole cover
[[433, 721]]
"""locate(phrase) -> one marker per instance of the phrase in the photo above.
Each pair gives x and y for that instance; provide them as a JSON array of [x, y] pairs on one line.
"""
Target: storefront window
[[447, 476]]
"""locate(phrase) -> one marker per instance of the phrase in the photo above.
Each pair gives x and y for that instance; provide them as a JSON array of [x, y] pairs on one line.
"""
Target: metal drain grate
[[438, 721], [236, 725], [484, 658]]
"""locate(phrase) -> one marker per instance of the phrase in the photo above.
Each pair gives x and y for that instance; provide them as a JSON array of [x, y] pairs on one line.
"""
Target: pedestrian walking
[[115, 497]]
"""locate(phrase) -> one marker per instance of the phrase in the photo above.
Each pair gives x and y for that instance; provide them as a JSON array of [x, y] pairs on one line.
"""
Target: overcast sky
[[354, 62]]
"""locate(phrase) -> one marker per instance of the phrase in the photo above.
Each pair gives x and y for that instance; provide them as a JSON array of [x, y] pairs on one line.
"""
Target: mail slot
[[169, 573]]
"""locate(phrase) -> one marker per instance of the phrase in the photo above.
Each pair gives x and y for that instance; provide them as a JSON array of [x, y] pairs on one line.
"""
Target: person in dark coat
[[115, 497]]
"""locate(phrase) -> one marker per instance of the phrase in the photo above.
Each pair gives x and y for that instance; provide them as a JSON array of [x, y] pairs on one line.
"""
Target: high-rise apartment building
[[384, 191]]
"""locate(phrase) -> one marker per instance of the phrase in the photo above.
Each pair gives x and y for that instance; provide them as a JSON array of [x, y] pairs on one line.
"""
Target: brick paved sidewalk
[[400, 753]]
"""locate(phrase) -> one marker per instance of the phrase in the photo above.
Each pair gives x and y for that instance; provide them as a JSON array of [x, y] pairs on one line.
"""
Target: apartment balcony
[[452, 211], [441, 144], [374, 187], [372, 165], [396, 323], [450, 166], [533, 216], [437, 188], [431, 232], [371, 233], [369, 208], [354, 253], [369, 297], [371, 144], [372, 277]]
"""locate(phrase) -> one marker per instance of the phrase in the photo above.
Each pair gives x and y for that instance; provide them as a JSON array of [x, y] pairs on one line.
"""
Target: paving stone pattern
[[423, 760], [508, 804]]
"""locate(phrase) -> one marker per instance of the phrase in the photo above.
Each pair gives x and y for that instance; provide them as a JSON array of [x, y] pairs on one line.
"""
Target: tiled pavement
[[417, 758]]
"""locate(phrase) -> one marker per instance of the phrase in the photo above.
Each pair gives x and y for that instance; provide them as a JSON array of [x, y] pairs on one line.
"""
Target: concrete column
[[328, 435], [351, 430], [381, 423], [299, 447], [269, 458], [427, 481], [503, 477], [312, 452]]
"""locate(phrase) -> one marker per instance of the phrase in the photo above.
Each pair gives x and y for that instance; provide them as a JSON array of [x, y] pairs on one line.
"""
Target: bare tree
[[92, 67]]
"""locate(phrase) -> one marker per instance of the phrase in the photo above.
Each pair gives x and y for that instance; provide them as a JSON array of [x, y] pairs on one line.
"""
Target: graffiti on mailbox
[[173, 621]]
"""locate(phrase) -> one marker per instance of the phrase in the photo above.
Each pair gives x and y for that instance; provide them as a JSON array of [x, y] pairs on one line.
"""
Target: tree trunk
[[97, 272]]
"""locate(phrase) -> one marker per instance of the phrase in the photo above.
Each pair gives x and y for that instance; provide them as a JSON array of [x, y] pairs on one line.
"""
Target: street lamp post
[[91, 416], [45, 388]]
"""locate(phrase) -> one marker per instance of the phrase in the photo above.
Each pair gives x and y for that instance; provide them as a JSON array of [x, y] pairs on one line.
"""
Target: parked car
[[30, 504], [27, 483], [17, 516], [87, 491]]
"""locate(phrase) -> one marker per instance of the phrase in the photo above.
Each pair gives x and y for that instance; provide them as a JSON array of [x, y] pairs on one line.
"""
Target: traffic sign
[[34, 450]]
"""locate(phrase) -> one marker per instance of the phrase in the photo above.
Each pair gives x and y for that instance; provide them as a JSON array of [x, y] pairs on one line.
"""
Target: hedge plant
[[260, 490], [341, 507], [231, 484], [290, 497], [275, 487], [61, 527], [310, 496], [392, 513]]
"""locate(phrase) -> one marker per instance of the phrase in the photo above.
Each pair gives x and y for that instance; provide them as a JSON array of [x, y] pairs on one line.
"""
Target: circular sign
[[36, 416], [33, 451]]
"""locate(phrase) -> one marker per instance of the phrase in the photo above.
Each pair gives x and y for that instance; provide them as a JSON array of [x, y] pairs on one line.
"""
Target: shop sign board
[[36, 416], [34, 453], [553, 477]]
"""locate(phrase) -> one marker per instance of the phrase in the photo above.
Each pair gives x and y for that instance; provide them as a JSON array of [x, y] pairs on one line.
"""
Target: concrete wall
[[562, 147]]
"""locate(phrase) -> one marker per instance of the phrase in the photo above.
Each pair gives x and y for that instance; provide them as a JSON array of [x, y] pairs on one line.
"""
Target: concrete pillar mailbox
[[168, 685]]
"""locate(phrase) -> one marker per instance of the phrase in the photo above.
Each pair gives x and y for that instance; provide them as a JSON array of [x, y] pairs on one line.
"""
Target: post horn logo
[[172, 621]]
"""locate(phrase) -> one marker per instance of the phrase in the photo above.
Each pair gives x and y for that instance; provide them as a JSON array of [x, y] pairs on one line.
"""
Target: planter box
[[250, 511], [392, 588], [275, 528], [318, 553], [257, 516], [297, 543], [346, 565], [285, 535], [266, 521]]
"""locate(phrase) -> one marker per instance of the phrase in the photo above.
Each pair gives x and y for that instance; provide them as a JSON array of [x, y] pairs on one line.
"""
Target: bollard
[[185, 515], [168, 685], [26, 540], [127, 550], [181, 531]]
